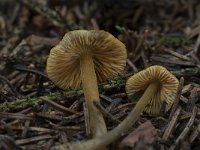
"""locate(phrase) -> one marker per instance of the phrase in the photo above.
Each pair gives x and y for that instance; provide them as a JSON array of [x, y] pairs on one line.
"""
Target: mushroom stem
[[90, 88], [106, 139]]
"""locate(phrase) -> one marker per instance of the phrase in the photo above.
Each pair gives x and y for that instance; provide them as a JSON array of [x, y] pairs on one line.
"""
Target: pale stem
[[91, 93]]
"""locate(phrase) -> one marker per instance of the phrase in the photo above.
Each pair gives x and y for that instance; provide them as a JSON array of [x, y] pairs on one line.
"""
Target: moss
[[22, 103]]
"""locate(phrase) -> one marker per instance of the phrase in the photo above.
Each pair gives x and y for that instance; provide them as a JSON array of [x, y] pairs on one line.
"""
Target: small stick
[[122, 113], [171, 124], [186, 130], [24, 68], [187, 72], [184, 99], [34, 139], [34, 129], [13, 90], [71, 117], [16, 116], [94, 24], [171, 60], [169, 51], [133, 67], [105, 113], [110, 100], [194, 57], [144, 58], [26, 128], [194, 134], [177, 98], [118, 95], [76, 104], [113, 104], [192, 99], [187, 88], [49, 116], [58, 106], [188, 126], [35, 39], [69, 128]]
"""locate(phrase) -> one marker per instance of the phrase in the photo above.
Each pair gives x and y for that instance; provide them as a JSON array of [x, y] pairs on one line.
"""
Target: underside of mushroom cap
[[108, 53], [167, 82]]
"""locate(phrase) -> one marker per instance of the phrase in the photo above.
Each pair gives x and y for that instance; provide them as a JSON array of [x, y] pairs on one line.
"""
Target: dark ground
[[155, 32]]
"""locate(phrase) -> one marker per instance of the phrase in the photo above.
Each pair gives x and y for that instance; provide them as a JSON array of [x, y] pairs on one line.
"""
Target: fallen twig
[[176, 54], [105, 113], [171, 124], [13, 90], [34, 139], [177, 98], [194, 134], [16, 116], [185, 131], [58, 106], [24, 68]]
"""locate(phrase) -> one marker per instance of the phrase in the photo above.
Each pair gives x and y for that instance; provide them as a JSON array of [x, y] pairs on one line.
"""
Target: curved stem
[[90, 88], [125, 125]]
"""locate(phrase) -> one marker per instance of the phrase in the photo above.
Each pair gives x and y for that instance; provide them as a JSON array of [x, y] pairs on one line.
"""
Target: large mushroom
[[83, 58], [158, 85]]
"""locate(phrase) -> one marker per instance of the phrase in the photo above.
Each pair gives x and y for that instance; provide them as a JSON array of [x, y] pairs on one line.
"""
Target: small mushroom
[[83, 58], [159, 85]]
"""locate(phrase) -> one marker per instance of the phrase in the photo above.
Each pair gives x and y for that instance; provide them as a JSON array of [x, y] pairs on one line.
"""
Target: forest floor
[[35, 114]]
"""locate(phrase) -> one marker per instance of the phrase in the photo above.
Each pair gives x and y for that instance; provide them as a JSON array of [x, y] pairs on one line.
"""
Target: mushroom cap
[[168, 84], [108, 53]]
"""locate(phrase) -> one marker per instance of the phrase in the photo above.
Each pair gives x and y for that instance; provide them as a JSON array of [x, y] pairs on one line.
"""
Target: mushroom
[[159, 85], [83, 58]]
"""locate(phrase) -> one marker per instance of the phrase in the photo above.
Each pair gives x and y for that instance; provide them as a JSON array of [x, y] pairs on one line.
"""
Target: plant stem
[[90, 88], [125, 125]]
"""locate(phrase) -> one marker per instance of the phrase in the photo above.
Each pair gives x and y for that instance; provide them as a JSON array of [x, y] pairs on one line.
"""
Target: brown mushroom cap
[[108, 53], [168, 84]]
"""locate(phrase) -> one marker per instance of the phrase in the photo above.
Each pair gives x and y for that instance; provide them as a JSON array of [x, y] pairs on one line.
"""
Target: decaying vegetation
[[35, 114]]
